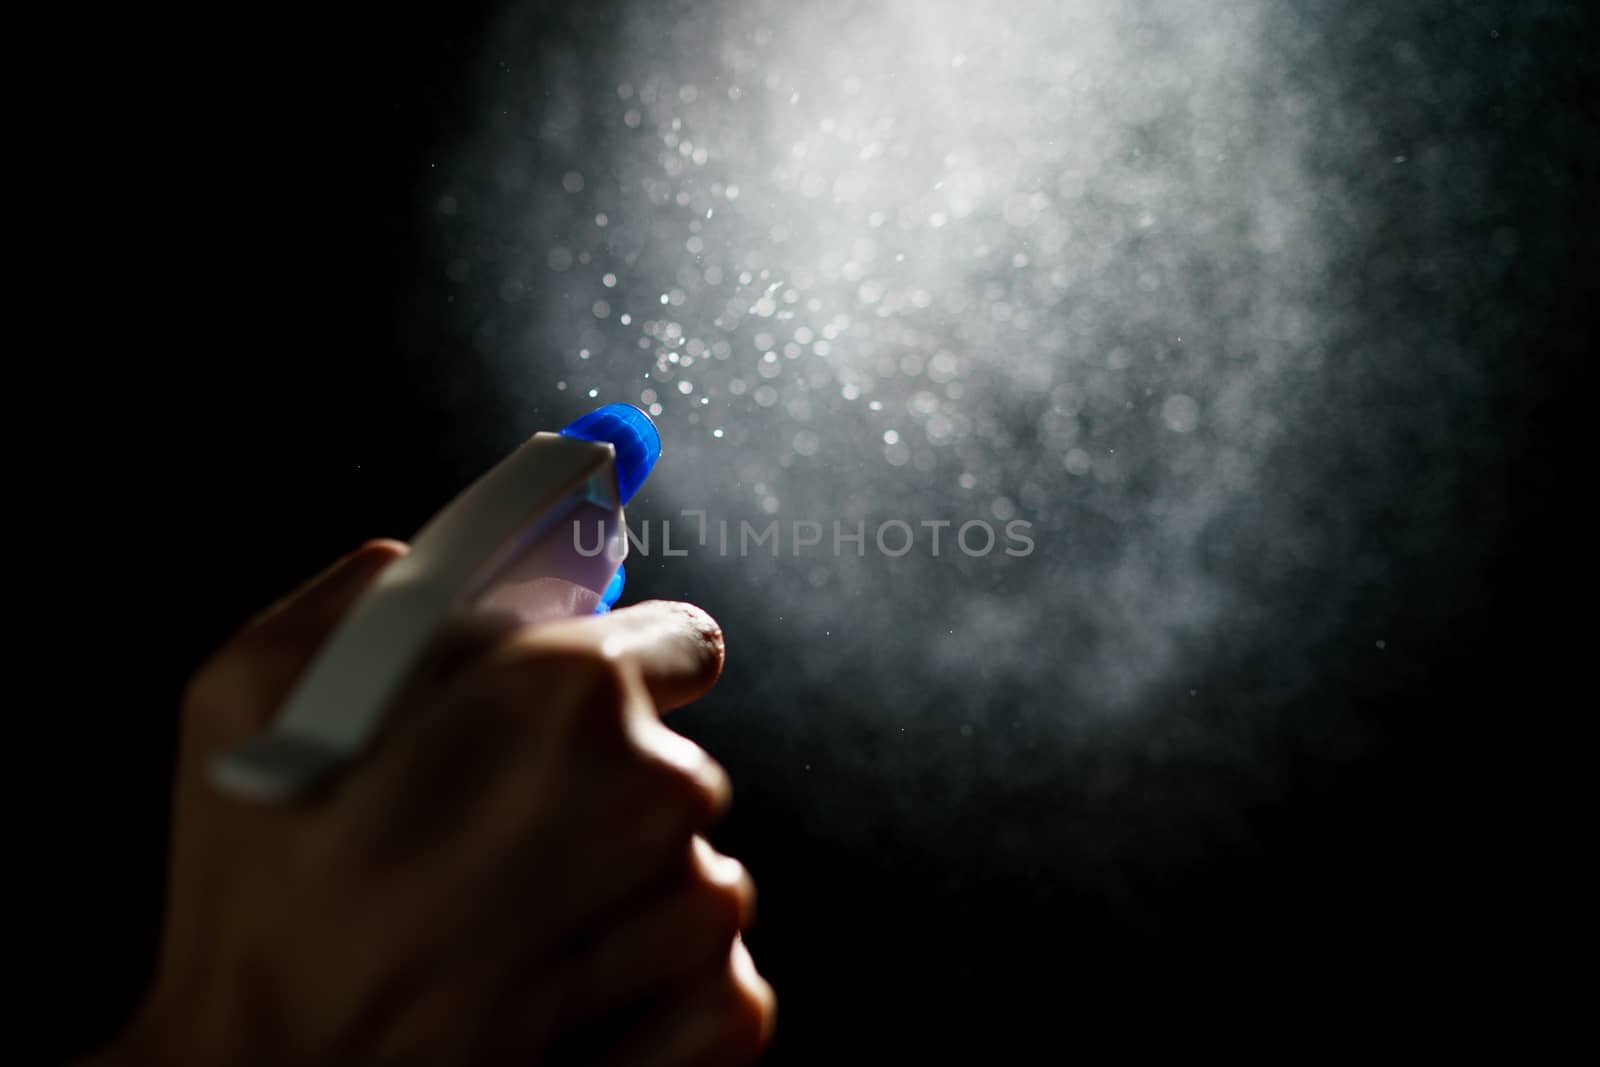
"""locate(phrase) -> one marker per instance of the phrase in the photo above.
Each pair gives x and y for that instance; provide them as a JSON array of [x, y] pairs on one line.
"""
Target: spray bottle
[[541, 535]]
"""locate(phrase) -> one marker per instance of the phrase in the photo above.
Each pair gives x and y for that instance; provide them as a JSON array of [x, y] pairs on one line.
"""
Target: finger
[[457, 644], [680, 933], [235, 693], [639, 818], [677, 647], [315, 608], [723, 1019], [555, 746]]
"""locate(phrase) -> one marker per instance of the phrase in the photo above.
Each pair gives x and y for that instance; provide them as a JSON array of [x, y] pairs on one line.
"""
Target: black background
[[264, 394]]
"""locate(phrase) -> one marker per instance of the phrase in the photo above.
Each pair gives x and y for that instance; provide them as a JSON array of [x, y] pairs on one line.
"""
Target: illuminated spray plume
[[1093, 266]]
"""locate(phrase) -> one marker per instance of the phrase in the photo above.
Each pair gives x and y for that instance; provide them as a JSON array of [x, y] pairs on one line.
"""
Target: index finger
[[677, 647]]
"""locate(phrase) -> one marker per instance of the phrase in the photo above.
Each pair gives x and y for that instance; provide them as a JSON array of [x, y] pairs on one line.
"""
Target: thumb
[[236, 694]]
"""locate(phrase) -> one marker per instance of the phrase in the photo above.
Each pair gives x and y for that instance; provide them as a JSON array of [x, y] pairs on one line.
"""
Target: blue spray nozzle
[[631, 433], [613, 592]]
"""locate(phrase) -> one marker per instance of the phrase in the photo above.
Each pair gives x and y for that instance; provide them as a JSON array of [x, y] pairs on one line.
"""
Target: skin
[[515, 872]]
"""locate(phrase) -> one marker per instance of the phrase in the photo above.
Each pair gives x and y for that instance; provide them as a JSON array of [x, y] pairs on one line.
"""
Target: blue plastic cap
[[631, 433], [612, 594]]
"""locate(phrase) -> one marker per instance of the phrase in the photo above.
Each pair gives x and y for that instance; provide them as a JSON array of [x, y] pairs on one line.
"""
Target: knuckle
[[715, 790], [689, 783], [720, 907], [590, 674], [745, 1019], [462, 643], [600, 680], [591, 686]]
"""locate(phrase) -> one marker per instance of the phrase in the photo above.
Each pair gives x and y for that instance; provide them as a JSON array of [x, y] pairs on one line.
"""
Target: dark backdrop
[[282, 392]]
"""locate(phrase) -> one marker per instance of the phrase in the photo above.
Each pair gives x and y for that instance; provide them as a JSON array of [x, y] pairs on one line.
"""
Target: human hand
[[514, 871]]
